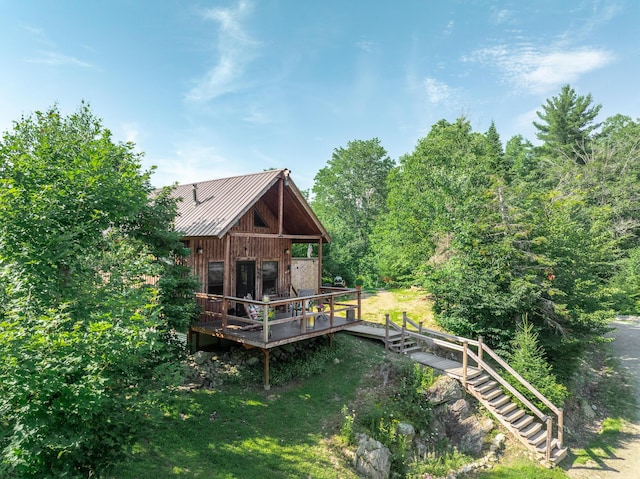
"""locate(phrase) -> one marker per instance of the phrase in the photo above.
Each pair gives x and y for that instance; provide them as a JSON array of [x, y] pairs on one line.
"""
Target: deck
[[279, 334], [289, 320]]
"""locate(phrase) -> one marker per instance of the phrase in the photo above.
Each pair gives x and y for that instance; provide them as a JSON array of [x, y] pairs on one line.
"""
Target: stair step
[[512, 415], [531, 431], [542, 447], [487, 386], [558, 455], [411, 349], [538, 439], [523, 422], [479, 379], [500, 401], [492, 394]]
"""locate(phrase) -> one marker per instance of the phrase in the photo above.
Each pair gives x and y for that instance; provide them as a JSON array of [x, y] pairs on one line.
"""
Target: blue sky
[[216, 88]]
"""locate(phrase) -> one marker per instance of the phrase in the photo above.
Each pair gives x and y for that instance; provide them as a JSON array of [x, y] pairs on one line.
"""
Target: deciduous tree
[[85, 340]]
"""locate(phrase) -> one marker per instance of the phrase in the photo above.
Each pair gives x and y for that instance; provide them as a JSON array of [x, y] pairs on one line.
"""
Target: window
[[269, 277], [258, 220], [215, 279]]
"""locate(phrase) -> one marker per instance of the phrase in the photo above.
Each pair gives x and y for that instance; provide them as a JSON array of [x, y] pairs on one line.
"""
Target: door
[[245, 278]]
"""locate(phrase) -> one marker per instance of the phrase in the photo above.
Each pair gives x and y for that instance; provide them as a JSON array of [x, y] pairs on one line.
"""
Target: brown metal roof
[[221, 203]]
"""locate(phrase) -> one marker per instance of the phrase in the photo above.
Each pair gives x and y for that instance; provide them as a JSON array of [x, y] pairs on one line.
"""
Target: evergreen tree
[[567, 123]]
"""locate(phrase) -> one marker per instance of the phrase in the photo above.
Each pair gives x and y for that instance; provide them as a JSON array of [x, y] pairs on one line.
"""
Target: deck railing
[[279, 310], [463, 347]]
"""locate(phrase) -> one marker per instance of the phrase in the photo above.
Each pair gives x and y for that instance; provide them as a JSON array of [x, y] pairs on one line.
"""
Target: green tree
[[429, 192], [567, 123], [528, 359], [349, 197], [87, 344]]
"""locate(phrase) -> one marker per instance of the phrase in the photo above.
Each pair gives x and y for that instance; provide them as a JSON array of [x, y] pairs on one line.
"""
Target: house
[[240, 232]]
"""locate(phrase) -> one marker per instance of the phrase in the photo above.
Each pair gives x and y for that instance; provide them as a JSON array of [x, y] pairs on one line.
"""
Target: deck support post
[[267, 386], [386, 332]]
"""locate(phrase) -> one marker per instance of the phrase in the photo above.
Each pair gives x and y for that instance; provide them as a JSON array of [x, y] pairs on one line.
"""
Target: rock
[[407, 430], [252, 361], [200, 357], [444, 390], [460, 409], [372, 460], [476, 430]]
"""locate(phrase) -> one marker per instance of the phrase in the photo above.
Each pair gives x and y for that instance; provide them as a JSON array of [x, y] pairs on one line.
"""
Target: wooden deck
[[289, 319]]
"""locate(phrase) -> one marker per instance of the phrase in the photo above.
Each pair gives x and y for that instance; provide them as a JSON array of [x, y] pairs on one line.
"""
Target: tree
[[528, 359], [85, 339], [349, 197], [567, 123]]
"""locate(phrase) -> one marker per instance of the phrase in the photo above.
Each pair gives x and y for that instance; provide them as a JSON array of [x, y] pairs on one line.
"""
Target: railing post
[[480, 353], [404, 329], [225, 308], [265, 323], [560, 428], [359, 293], [420, 327], [465, 345], [549, 435], [386, 332], [331, 306]]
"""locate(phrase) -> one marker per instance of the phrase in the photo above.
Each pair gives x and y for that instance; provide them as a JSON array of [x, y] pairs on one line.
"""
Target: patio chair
[[297, 306], [251, 309]]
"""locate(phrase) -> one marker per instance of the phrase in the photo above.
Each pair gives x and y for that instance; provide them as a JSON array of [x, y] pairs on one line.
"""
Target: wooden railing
[[275, 311], [463, 346]]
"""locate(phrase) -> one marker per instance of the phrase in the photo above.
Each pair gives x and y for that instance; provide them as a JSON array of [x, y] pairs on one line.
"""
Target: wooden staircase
[[539, 432]]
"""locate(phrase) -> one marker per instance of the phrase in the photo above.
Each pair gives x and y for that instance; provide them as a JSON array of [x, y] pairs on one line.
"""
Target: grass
[[603, 445], [414, 301], [521, 469], [294, 430], [243, 431]]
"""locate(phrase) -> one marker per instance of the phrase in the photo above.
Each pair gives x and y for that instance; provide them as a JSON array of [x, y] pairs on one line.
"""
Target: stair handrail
[[496, 375], [482, 364], [522, 380]]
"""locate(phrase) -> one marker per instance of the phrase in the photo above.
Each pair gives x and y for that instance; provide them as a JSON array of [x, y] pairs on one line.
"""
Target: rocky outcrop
[[452, 417], [372, 460]]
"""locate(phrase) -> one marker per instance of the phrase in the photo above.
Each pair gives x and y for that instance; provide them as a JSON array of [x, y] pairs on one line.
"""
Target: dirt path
[[624, 462]]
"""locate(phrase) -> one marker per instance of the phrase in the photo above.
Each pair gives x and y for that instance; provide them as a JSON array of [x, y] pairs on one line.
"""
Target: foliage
[[528, 360], [84, 355], [627, 282], [349, 196], [567, 123]]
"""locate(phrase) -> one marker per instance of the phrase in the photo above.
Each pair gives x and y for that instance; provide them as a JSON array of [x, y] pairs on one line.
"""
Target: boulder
[[373, 459], [444, 390], [407, 430]]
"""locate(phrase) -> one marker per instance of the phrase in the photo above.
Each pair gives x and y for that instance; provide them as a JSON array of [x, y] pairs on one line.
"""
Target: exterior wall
[[304, 273], [244, 248]]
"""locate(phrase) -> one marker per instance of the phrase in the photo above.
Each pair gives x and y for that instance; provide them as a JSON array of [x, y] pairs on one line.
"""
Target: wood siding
[[244, 248]]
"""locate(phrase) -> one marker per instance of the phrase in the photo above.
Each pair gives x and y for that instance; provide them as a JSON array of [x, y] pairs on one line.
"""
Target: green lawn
[[242, 431]]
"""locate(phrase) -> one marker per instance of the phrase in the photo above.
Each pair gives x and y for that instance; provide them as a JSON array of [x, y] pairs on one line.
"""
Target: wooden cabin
[[241, 232]]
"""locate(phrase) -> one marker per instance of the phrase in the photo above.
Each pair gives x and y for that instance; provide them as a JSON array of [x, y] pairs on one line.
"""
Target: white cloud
[[59, 59], [500, 16], [131, 132], [236, 49], [364, 45], [438, 92], [192, 162], [541, 71], [449, 28]]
